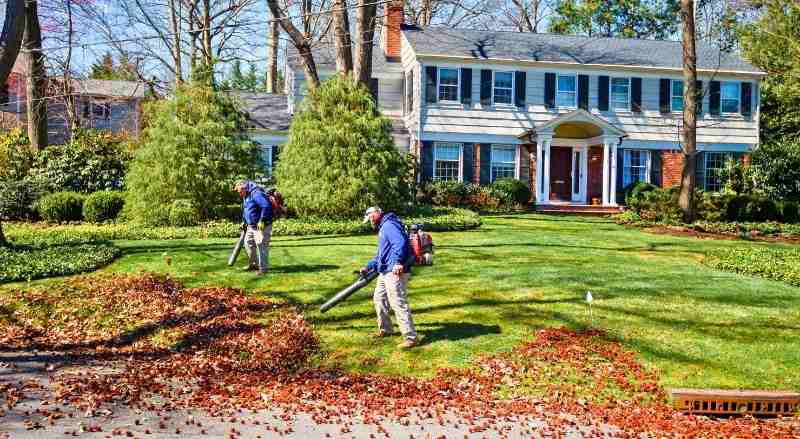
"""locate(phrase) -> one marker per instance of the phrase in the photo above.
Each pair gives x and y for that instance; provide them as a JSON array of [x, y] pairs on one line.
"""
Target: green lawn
[[491, 287]]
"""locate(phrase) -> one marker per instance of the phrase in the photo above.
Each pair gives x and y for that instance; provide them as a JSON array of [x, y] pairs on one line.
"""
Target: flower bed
[[27, 263], [745, 230], [776, 263]]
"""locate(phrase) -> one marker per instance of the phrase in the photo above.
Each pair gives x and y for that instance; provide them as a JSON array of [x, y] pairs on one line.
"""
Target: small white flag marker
[[589, 300], [589, 297]]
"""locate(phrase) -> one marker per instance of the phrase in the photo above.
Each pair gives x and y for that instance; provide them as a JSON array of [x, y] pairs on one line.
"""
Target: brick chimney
[[390, 34]]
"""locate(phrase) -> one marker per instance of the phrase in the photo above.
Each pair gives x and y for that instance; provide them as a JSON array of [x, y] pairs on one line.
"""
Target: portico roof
[[576, 116]]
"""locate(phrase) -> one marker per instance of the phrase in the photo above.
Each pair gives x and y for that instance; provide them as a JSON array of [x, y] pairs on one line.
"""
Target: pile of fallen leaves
[[165, 346]]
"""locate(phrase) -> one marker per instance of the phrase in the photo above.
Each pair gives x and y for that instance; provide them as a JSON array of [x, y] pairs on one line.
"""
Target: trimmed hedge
[[503, 195], [61, 207], [782, 264], [432, 219], [27, 263], [102, 206]]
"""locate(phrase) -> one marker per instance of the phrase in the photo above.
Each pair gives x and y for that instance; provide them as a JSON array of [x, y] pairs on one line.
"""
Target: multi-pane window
[[636, 166], [677, 95], [447, 161], [504, 161], [714, 168], [620, 93], [566, 94], [448, 84], [729, 98], [503, 87]]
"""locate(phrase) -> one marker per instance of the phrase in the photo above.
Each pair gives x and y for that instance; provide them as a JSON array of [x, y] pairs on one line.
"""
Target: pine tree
[[341, 158], [616, 18]]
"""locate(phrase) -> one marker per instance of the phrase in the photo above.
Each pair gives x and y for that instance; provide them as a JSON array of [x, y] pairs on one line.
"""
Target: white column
[[546, 194], [613, 192], [606, 169], [539, 170]]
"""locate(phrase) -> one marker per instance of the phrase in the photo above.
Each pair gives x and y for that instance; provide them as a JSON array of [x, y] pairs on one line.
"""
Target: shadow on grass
[[454, 331]]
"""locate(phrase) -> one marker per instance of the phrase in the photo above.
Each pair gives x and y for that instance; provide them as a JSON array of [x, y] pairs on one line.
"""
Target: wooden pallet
[[732, 402]]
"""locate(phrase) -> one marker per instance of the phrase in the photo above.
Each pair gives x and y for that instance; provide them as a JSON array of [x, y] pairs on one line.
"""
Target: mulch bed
[[223, 358], [687, 232]]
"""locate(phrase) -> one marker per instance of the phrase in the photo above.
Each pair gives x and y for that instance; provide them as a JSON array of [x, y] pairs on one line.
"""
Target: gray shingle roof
[[325, 58], [266, 111], [566, 48], [110, 88]]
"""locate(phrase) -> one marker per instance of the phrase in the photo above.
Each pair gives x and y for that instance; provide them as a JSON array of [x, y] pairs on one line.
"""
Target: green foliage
[[91, 161], [27, 263], [102, 206], [782, 264], [61, 207], [41, 234], [660, 205], [237, 80], [107, 68], [635, 191], [655, 19], [500, 197], [193, 149], [752, 208], [18, 198], [182, 213], [340, 158], [229, 212], [16, 155], [514, 191], [790, 212], [775, 169]]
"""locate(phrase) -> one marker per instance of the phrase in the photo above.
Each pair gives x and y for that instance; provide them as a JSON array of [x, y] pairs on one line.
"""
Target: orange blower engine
[[421, 245]]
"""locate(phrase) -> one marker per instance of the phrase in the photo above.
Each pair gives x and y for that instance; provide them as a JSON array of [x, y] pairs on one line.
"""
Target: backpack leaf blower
[[360, 283]]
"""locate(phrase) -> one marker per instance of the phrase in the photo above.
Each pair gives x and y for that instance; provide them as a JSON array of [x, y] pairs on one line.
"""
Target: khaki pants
[[390, 291], [258, 247]]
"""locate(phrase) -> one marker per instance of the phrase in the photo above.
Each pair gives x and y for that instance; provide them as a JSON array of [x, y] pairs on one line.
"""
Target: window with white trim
[[676, 95], [729, 97], [714, 165], [636, 166], [503, 87], [566, 91], [503, 161], [449, 80], [620, 93], [447, 161]]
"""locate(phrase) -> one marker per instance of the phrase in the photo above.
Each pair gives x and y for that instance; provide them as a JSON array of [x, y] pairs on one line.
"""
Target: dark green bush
[[513, 191], [230, 212], [752, 208], [660, 205], [102, 206], [26, 263], [182, 213], [16, 155], [790, 211], [61, 207], [18, 199], [635, 190]]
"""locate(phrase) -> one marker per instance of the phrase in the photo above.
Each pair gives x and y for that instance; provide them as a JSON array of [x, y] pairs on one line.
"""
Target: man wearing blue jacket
[[393, 264], [257, 215]]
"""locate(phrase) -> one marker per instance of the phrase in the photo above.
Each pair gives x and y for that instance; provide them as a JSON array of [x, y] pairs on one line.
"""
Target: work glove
[[261, 226], [398, 269], [243, 227], [363, 271]]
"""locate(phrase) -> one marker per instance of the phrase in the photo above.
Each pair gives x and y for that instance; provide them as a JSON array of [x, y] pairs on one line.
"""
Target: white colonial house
[[577, 118]]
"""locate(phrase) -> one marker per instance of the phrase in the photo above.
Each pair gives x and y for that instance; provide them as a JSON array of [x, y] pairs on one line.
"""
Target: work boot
[[408, 344], [383, 334], [261, 273], [250, 268]]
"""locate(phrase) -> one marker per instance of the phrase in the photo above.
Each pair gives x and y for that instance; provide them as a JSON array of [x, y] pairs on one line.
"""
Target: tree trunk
[[205, 40], [176, 40], [70, 102], [3, 241], [272, 71], [425, 13], [341, 37], [300, 42], [35, 81], [365, 35], [686, 199]]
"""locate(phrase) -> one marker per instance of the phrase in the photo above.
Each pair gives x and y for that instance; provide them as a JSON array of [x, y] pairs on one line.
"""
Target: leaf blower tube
[[360, 283], [238, 247]]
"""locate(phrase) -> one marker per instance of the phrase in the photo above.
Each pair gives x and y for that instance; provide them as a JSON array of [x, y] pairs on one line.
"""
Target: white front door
[[579, 172]]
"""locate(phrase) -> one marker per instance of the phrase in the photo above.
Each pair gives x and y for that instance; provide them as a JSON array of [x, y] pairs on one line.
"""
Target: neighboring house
[[578, 119], [268, 119], [100, 104]]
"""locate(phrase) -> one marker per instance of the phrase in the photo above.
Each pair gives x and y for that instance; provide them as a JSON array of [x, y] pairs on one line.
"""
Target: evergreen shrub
[[102, 206], [61, 207]]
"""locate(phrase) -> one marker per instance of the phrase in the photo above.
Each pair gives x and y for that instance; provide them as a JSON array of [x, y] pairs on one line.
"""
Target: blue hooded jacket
[[256, 206], [393, 246]]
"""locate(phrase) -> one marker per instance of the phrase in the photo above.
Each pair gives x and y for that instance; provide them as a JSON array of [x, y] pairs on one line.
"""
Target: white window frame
[[460, 159], [738, 97], [515, 163], [438, 85], [627, 96], [672, 95], [626, 166], [575, 92], [513, 87]]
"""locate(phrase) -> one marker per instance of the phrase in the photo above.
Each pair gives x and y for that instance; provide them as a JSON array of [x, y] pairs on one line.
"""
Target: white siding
[[390, 95]]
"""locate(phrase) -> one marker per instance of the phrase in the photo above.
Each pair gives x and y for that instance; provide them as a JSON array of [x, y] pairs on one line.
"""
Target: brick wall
[[390, 36], [671, 168], [476, 163], [532, 180]]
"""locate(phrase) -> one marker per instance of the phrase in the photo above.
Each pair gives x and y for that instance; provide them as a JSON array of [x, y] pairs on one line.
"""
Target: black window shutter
[[619, 197], [747, 92], [486, 162], [550, 90], [655, 167], [430, 85], [636, 95], [468, 162], [466, 86], [664, 95], [427, 161], [714, 98], [486, 87], [373, 89], [699, 96], [4, 94], [602, 93], [520, 87], [274, 155], [583, 92]]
